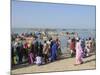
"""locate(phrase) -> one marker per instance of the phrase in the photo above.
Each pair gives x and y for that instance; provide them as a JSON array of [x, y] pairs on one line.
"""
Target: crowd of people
[[81, 48], [34, 50]]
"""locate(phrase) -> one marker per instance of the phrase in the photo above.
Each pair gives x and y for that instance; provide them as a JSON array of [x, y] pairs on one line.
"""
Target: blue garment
[[54, 52], [83, 48], [83, 44], [50, 49]]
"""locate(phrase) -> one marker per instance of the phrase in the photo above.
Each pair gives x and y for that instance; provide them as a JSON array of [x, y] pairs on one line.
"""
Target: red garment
[[25, 45], [72, 46]]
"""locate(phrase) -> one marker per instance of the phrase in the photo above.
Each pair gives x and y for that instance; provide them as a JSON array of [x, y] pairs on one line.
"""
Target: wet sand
[[65, 64]]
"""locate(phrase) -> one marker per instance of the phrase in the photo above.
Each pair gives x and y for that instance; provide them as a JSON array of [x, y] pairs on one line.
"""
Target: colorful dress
[[31, 58], [78, 53]]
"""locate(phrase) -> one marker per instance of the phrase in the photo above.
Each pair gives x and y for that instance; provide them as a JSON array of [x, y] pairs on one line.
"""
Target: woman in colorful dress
[[78, 52]]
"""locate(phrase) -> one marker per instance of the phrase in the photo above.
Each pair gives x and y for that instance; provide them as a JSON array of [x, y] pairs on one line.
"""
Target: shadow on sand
[[90, 60], [21, 66], [27, 64], [62, 58]]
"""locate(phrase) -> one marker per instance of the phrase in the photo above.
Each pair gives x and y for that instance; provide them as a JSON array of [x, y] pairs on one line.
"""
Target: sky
[[26, 14]]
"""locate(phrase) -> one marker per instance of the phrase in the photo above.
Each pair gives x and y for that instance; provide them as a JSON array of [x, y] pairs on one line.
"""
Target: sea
[[82, 33]]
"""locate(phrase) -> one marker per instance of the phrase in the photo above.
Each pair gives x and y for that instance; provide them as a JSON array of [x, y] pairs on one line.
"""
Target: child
[[38, 60]]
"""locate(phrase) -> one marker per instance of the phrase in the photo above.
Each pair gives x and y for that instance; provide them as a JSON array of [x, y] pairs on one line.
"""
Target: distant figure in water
[[79, 52]]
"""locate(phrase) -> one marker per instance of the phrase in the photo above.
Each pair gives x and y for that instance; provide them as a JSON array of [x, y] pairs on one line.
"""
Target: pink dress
[[31, 58], [78, 53]]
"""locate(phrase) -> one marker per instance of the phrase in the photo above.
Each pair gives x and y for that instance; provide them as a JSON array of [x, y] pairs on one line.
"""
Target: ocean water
[[82, 33]]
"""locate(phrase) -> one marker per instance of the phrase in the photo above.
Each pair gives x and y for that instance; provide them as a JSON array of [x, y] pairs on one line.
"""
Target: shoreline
[[66, 64]]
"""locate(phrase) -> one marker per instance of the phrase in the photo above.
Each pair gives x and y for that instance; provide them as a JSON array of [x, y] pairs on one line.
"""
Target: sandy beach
[[65, 64]]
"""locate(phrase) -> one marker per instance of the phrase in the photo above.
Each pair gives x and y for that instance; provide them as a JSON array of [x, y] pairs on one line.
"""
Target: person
[[46, 51], [38, 60], [83, 48], [20, 53], [12, 55], [59, 53], [31, 57], [79, 59], [15, 53], [25, 51], [50, 51], [40, 49], [93, 45], [54, 51], [87, 47], [90, 44], [32, 51], [68, 42], [72, 47], [35, 47]]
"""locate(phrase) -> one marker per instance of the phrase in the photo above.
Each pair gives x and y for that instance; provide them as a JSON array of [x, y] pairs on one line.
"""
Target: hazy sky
[[46, 15]]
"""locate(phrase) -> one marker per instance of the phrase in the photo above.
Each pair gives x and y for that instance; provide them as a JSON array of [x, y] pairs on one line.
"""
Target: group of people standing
[[80, 48], [34, 50]]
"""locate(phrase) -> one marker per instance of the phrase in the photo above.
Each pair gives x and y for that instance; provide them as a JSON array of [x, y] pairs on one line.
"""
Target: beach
[[51, 38], [65, 64]]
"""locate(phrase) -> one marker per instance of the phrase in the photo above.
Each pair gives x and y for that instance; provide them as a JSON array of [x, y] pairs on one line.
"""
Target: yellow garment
[[15, 62]]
